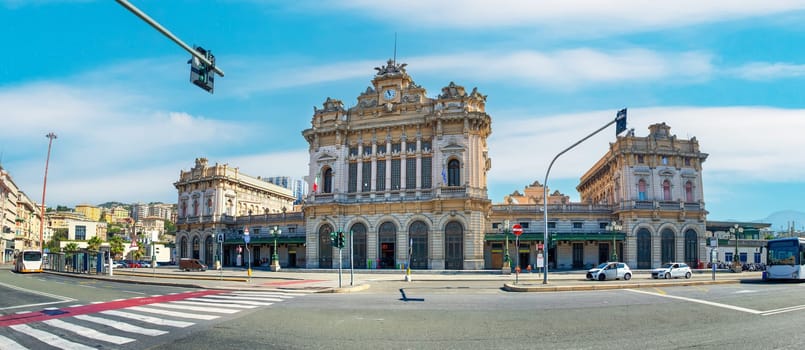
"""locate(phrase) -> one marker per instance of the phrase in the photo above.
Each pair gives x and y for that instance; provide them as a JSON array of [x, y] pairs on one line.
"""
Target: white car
[[671, 270], [610, 271]]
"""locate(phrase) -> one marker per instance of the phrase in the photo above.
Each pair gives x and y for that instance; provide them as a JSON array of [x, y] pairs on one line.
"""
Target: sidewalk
[[326, 281]]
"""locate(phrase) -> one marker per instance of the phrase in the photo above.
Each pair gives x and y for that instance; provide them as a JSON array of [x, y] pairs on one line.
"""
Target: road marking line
[[8, 344], [199, 303], [88, 332], [54, 296], [172, 313], [49, 339], [197, 308], [725, 306], [153, 320], [242, 297], [267, 294], [123, 326], [227, 301], [32, 305], [783, 310], [660, 291]]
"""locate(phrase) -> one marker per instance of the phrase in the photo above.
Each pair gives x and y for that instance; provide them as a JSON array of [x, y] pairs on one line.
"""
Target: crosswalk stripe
[[227, 301], [241, 297], [88, 332], [123, 326], [199, 303], [49, 339], [172, 313], [148, 319], [268, 294], [197, 308], [8, 344]]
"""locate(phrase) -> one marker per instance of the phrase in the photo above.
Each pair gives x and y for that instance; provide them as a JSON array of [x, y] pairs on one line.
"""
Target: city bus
[[28, 261], [785, 259]]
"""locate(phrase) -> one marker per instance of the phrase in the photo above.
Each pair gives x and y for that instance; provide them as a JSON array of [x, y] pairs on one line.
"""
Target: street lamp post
[[275, 259], [506, 259], [50, 136], [736, 260], [613, 228]]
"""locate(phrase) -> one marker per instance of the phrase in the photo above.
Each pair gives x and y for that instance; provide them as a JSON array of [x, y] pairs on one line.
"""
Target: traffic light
[[620, 125], [340, 239], [200, 74], [333, 239]]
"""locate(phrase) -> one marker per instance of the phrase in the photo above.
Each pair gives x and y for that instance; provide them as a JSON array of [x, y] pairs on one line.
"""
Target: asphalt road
[[739, 316]]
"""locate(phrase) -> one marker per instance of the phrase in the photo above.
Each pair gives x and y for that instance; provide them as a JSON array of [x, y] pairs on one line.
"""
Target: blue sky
[[117, 93]]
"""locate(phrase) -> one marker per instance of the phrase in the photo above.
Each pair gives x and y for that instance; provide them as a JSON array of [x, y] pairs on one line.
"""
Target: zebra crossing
[[120, 324]]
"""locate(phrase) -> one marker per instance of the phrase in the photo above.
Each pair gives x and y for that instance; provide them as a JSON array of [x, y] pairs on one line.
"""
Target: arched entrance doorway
[[643, 249], [208, 251], [454, 246], [196, 248], [386, 239], [359, 245], [691, 249], [183, 248], [418, 234], [325, 247], [667, 246]]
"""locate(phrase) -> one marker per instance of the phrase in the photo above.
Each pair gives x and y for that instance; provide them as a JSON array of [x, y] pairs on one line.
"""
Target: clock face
[[389, 94]]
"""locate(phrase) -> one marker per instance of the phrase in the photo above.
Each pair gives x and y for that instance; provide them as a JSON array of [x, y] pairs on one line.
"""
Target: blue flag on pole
[[444, 177]]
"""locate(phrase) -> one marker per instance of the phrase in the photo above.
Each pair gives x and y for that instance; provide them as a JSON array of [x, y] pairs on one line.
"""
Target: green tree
[[94, 243], [170, 227], [116, 245]]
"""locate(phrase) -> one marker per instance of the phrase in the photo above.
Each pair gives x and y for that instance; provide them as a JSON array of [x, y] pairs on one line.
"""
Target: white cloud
[[769, 71], [586, 17], [745, 144]]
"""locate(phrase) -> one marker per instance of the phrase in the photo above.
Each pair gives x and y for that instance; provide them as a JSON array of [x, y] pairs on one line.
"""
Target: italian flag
[[316, 183]]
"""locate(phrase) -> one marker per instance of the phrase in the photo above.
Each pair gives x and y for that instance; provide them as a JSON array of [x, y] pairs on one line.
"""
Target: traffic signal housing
[[201, 74], [340, 239], [333, 239]]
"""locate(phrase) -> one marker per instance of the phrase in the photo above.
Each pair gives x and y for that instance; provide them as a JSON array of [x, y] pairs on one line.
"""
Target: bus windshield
[[783, 252], [31, 256]]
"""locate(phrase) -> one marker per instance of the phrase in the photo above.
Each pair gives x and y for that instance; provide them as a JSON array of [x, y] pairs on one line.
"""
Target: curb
[[103, 278], [588, 287], [352, 289]]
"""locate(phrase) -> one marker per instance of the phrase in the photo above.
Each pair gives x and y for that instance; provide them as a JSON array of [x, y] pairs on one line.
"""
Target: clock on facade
[[389, 94]]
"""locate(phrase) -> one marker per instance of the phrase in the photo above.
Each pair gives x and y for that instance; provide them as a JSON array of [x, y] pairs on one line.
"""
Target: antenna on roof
[[395, 47]]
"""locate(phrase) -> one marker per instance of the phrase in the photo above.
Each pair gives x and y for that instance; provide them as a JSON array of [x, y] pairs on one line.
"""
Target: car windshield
[[667, 266], [603, 265]]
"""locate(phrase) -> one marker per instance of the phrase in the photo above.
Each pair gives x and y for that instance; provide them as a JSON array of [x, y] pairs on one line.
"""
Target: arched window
[[666, 190], [230, 208], [184, 208], [453, 173], [387, 239], [688, 192], [195, 207], [643, 249], [196, 248], [358, 232], [641, 190], [209, 206], [325, 247], [667, 246], [691, 248], [328, 180], [418, 234], [183, 248]]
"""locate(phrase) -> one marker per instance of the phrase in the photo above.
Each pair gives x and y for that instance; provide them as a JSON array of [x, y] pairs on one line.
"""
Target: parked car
[[144, 263], [191, 264], [132, 264], [119, 264], [610, 271], [671, 270]]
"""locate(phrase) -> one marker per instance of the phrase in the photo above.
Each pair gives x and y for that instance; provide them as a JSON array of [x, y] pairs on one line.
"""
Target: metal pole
[[339, 267], [168, 34], [50, 136], [221, 259], [545, 194], [517, 255], [351, 263]]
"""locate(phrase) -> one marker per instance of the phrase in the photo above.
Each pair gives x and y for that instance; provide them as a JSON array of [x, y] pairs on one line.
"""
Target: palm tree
[[94, 243], [116, 245], [70, 249]]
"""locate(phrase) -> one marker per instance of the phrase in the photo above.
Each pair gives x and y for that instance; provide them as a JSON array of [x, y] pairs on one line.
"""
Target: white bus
[[28, 261], [786, 259]]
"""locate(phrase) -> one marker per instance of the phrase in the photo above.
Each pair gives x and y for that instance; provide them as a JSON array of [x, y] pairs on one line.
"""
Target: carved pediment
[[326, 157], [666, 172]]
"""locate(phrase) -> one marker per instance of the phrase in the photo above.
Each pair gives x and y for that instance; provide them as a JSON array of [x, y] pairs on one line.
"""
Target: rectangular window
[[524, 225], [366, 177], [410, 173], [687, 161], [395, 174], [640, 159], [426, 173], [552, 224], [410, 146], [603, 225], [395, 148], [380, 185], [728, 256], [80, 233], [425, 146], [664, 160], [495, 225], [577, 225], [353, 151], [367, 150], [352, 186]]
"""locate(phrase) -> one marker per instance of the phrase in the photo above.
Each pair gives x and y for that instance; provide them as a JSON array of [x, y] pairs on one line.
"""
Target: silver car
[[610, 271], [671, 270]]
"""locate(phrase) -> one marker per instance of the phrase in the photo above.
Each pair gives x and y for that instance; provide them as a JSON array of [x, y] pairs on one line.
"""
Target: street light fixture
[[506, 259], [275, 259], [735, 230], [614, 227]]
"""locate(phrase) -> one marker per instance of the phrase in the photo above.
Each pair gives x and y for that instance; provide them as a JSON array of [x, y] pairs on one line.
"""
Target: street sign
[[714, 242], [540, 261], [246, 237], [540, 246], [220, 238], [517, 229]]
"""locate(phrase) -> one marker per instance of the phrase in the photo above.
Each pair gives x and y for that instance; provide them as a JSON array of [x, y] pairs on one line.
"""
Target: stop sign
[[517, 229]]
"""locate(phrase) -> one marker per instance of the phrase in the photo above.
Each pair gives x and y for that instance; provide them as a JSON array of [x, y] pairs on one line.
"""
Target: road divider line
[[784, 309], [705, 302]]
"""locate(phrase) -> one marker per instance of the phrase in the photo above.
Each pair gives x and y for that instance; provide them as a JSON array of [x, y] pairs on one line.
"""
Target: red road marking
[[285, 283], [14, 319]]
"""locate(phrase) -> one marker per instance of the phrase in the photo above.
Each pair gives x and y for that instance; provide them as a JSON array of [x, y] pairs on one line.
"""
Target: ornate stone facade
[[404, 172]]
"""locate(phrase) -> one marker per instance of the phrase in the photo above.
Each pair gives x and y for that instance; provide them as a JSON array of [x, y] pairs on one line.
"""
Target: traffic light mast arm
[[168, 34]]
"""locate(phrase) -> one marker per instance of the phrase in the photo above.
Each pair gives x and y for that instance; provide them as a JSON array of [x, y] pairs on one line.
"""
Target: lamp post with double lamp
[[736, 260], [614, 227], [275, 259], [506, 260]]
